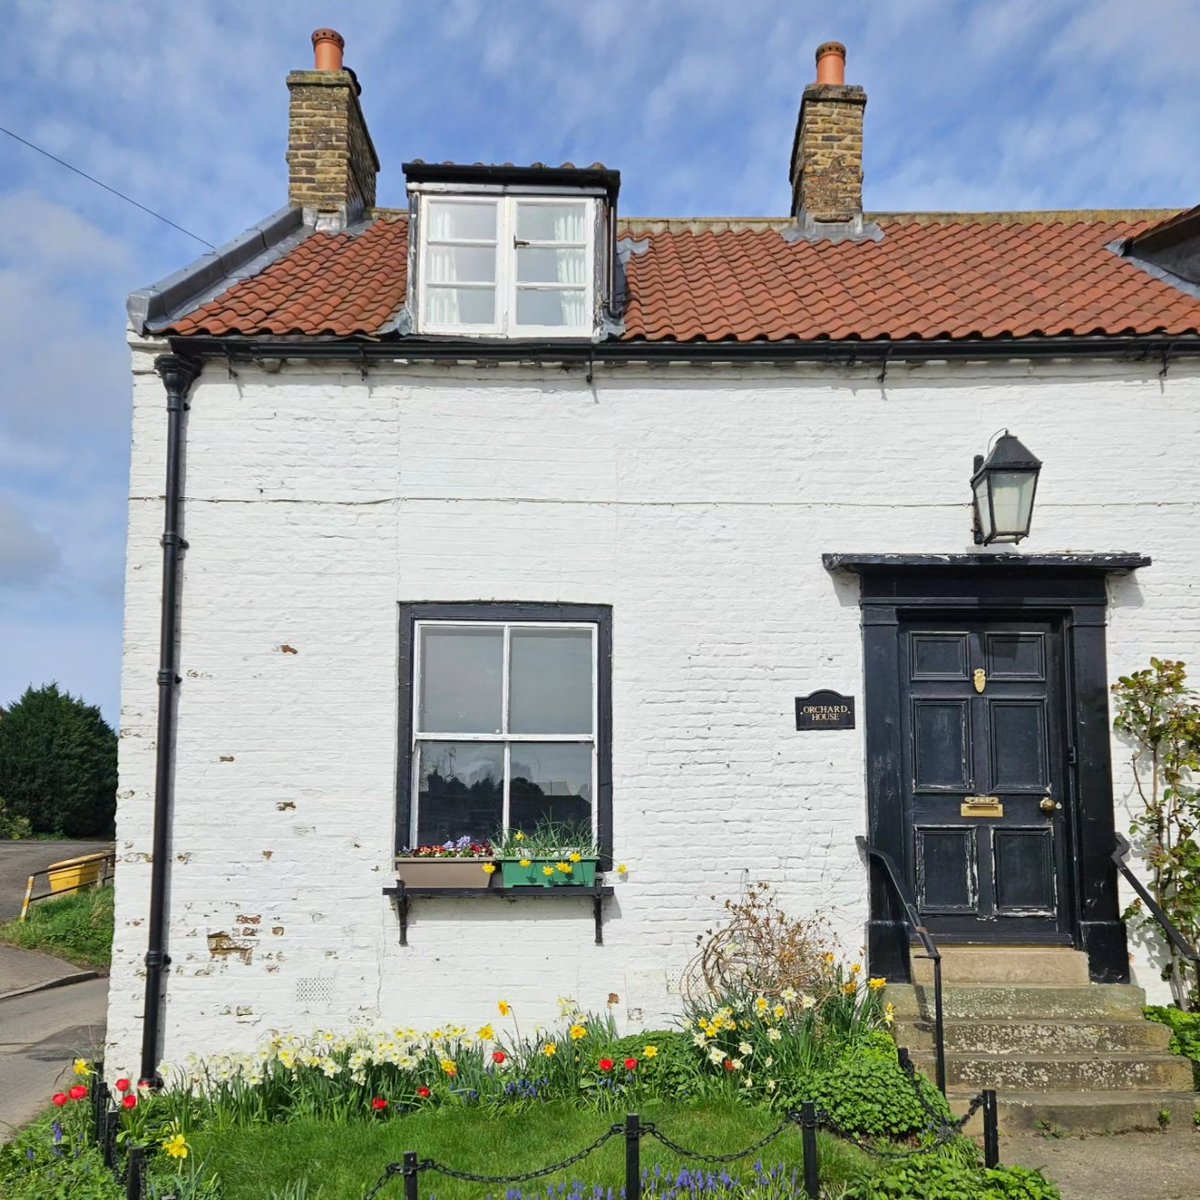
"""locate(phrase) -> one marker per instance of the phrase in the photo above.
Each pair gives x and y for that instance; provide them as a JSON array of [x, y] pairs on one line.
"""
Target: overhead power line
[[113, 190]]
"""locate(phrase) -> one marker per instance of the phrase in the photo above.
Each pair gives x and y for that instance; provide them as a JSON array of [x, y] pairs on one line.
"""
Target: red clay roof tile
[[948, 275]]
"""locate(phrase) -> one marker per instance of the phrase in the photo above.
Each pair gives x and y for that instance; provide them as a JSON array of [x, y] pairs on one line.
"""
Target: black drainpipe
[[178, 374]]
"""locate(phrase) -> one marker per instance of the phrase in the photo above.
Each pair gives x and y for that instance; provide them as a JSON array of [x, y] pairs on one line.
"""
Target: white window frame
[[506, 324], [504, 737]]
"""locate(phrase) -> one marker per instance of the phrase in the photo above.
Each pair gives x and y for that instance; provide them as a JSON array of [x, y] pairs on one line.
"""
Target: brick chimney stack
[[332, 162], [827, 173]]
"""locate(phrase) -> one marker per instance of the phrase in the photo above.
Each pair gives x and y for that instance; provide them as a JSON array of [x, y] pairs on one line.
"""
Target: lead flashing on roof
[[1161, 272], [807, 229], [156, 306]]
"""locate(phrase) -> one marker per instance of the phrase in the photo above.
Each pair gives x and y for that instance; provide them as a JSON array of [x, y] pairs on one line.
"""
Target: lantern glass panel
[[1012, 501], [983, 508]]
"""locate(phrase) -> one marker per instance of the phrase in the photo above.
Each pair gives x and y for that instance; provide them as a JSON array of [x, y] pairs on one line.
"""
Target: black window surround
[[501, 611], [1071, 589]]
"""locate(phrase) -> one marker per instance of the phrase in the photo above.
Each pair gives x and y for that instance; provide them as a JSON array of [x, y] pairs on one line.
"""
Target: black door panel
[[984, 776]]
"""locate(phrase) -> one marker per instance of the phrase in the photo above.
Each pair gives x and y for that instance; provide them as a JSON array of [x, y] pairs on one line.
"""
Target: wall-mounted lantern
[[1003, 488]]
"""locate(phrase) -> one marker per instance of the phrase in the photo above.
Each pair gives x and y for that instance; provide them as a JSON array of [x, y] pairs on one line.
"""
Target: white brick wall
[[697, 503]]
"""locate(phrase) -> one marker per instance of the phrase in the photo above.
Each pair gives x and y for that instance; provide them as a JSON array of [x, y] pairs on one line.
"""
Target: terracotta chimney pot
[[831, 63], [328, 45]]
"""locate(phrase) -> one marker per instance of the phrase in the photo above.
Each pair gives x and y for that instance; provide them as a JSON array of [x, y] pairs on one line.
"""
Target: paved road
[[1122, 1166], [18, 860], [40, 1036]]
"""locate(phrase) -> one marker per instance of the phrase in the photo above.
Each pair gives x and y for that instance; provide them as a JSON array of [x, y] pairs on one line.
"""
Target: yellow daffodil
[[773, 1035], [649, 1051], [527, 862], [504, 1007], [547, 870], [856, 968], [761, 1004], [876, 984], [489, 868], [850, 987], [81, 1068], [829, 960], [564, 868], [889, 1013], [577, 1032], [449, 1067], [486, 1034], [780, 1012], [518, 836], [575, 856], [622, 870], [550, 1049], [176, 1146]]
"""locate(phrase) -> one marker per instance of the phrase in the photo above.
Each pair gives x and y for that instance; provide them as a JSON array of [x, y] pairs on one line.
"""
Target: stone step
[[1080, 1113], [1037, 1037], [1014, 966], [1064, 1072], [1097, 1001]]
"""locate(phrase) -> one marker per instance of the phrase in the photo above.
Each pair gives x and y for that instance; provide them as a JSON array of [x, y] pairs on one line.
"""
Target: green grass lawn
[[78, 928], [340, 1162]]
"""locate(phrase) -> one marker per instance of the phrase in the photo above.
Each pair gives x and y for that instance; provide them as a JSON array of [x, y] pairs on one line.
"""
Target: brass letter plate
[[982, 806]]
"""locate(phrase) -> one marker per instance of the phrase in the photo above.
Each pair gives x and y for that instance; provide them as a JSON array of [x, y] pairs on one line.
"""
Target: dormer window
[[495, 257]]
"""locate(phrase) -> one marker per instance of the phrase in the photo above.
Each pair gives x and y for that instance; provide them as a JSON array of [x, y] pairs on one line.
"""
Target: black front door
[[984, 776]]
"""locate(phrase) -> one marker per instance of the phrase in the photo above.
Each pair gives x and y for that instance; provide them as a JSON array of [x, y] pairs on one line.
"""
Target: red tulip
[[498, 1056], [606, 1064], [424, 1093], [729, 1064], [77, 1092], [60, 1099], [123, 1085], [631, 1064], [379, 1104], [129, 1101]]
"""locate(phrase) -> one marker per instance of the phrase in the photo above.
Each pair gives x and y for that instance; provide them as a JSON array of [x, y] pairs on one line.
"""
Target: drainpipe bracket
[[157, 960]]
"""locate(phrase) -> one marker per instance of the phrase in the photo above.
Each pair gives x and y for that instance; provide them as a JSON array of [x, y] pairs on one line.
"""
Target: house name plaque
[[825, 710]]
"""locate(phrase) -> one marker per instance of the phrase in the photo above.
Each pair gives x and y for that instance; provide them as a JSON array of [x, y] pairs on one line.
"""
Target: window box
[[445, 872], [582, 873]]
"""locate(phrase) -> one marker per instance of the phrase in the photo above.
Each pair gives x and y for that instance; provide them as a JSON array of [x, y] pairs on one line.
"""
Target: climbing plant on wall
[[1159, 715]]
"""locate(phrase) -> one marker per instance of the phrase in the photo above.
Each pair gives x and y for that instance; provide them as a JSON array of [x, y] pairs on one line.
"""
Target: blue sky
[[988, 104]]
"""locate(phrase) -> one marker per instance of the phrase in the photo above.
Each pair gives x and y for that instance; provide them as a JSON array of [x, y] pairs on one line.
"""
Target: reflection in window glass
[[451, 220], [551, 222], [550, 681], [460, 790], [461, 680], [551, 782], [551, 307]]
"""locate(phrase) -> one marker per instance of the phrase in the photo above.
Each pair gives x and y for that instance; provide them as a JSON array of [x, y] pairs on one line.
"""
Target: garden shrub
[[12, 827], [937, 1177], [671, 1071], [50, 1160], [867, 1091], [1185, 1033]]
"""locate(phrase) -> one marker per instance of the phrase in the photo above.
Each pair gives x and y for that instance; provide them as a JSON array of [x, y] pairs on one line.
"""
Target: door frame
[[1073, 590]]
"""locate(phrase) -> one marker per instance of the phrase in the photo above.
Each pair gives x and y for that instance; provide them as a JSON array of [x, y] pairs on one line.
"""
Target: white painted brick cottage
[[504, 506]]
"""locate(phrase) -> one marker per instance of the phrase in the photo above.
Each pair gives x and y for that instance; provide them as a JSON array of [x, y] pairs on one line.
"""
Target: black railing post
[[633, 1157], [991, 1129], [409, 1171], [135, 1173], [808, 1139], [939, 1025], [99, 1099]]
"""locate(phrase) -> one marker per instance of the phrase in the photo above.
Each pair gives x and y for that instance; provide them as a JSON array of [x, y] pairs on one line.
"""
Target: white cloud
[[27, 554]]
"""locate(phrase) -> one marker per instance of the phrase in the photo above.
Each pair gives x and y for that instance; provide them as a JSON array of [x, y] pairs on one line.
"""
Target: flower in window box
[[454, 863], [551, 855]]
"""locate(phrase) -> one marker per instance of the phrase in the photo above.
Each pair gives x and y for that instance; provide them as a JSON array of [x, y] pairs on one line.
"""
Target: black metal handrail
[[913, 918], [1173, 935]]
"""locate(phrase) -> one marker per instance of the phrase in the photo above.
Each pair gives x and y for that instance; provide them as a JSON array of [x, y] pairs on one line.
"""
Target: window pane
[[552, 222], [461, 306], [551, 782], [550, 681], [470, 264], [460, 790], [565, 308], [461, 680], [540, 264], [451, 220]]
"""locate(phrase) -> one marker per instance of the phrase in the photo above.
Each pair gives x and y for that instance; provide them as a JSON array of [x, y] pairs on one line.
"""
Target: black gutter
[[1157, 348], [502, 174], [177, 373]]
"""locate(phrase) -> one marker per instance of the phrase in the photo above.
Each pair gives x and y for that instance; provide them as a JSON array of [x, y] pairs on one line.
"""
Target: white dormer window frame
[[534, 255]]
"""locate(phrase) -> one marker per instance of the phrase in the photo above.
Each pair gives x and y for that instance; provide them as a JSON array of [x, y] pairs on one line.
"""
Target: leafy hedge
[[1185, 1033]]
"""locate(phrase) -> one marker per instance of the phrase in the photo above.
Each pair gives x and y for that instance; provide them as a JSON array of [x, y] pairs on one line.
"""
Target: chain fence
[[809, 1119]]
